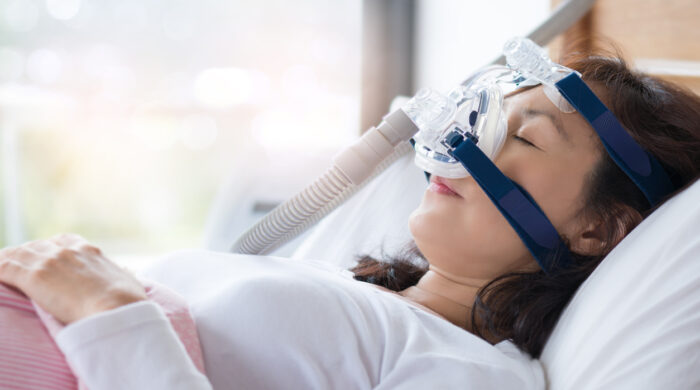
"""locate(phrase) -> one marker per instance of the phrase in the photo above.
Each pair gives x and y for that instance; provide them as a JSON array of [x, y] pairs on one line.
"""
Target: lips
[[442, 186]]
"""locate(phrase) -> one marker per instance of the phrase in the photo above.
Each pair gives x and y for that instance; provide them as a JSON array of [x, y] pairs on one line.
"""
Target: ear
[[591, 240], [599, 235]]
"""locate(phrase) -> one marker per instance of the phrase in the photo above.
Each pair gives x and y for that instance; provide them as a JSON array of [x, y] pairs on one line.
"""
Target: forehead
[[533, 97]]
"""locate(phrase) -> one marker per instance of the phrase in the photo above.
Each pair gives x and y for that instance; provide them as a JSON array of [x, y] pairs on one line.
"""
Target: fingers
[[19, 265], [29, 253], [9, 252], [40, 246], [75, 242], [68, 276], [67, 240], [24, 255], [13, 272], [60, 247]]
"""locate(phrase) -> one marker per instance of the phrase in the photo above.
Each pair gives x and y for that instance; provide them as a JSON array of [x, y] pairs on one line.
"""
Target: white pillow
[[374, 219], [635, 322]]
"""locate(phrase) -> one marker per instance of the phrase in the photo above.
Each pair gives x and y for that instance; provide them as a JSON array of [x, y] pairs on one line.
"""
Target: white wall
[[456, 37]]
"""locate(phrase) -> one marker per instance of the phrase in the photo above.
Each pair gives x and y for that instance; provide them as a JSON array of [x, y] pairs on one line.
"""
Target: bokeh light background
[[120, 119]]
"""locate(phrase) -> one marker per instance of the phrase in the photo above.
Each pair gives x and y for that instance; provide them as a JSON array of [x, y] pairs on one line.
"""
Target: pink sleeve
[[175, 308]]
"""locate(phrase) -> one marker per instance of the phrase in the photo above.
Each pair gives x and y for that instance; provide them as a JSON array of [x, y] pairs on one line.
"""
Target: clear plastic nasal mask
[[474, 109]]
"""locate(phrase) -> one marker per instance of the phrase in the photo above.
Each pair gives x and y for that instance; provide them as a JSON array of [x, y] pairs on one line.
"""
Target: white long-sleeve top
[[272, 323]]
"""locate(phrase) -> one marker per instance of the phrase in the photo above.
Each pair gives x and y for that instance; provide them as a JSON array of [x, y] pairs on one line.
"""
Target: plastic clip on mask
[[459, 134]]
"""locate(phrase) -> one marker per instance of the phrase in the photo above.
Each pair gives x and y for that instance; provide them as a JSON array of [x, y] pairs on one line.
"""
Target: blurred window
[[119, 120]]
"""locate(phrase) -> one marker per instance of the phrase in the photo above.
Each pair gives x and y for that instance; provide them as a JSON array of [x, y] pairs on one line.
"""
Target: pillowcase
[[373, 221], [635, 322]]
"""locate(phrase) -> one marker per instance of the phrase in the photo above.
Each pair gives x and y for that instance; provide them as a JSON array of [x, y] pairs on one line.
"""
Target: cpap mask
[[474, 109], [459, 135]]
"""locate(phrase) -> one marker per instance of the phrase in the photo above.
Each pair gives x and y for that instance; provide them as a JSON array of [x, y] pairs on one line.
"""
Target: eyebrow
[[530, 112]]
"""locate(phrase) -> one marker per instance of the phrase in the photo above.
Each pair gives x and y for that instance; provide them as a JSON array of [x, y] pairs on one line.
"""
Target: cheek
[[558, 190], [556, 182]]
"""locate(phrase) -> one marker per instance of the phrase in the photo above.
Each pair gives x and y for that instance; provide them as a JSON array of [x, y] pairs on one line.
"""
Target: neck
[[452, 298]]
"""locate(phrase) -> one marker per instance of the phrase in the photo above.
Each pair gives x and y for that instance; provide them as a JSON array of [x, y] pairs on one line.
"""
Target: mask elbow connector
[[358, 161]]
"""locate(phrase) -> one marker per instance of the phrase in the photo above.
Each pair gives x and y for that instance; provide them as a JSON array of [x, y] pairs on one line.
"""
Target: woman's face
[[549, 153]]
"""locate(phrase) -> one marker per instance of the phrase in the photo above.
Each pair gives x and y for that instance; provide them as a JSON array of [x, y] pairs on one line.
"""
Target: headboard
[[660, 37]]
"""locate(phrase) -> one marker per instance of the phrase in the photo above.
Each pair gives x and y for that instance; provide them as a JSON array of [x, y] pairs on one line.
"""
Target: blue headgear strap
[[516, 205], [644, 170]]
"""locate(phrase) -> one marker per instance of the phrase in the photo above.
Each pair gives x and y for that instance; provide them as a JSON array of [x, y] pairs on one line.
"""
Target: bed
[[634, 323]]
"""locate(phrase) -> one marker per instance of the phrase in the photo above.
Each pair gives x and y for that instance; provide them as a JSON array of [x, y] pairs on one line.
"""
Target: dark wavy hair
[[524, 307]]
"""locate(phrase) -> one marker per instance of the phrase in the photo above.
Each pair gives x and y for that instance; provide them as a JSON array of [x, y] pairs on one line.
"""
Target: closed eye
[[523, 140]]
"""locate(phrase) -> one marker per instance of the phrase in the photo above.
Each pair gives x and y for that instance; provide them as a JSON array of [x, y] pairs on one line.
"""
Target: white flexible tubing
[[352, 168], [272, 232]]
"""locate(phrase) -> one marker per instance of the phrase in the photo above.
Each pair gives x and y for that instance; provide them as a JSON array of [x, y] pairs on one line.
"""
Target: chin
[[436, 222], [429, 232], [416, 222]]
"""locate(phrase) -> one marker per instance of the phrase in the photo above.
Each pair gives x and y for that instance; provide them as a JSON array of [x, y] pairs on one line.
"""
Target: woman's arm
[[115, 338], [131, 347]]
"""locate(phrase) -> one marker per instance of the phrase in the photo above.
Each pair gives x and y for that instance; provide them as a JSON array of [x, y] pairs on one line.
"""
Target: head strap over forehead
[[641, 167]]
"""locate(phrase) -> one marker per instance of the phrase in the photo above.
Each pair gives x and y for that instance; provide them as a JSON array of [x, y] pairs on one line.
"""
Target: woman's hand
[[68, 277]]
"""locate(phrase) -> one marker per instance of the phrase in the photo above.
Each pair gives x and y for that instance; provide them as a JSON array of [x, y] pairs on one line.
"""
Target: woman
[[418, 329]]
